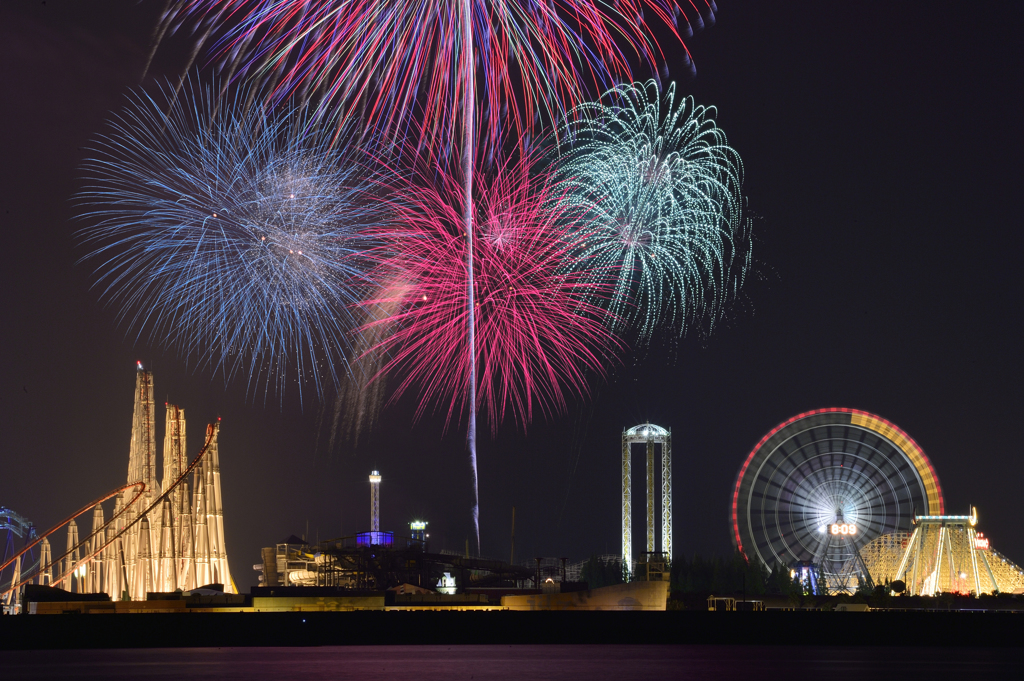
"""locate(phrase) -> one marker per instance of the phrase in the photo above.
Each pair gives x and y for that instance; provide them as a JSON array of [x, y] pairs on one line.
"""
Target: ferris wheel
[[14, 528], [821, 485]]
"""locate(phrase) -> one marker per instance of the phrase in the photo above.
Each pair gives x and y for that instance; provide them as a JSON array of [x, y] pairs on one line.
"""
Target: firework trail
[[538, 335], [662, 189], [414, 69], [358, 405], [221, 232]]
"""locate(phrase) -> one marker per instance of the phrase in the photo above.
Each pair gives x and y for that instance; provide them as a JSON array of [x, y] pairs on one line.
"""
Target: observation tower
[[375, 537], [821, 486], [649, 435], [375, 501]]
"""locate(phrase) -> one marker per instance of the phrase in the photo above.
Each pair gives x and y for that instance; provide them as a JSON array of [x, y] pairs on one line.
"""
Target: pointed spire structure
[[166, 580], [175, 460], [186, 545], [70, 581], [179, 542], [175, 451], [220, 573], [142, 452], [45, 559], [111, 582], [143, 578], [94, 568], [202, 554]]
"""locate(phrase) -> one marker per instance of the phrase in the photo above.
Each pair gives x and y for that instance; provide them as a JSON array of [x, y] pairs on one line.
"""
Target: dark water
[[487, 663]]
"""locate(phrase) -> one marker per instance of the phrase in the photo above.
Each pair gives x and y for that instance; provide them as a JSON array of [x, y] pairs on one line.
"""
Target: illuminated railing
[[375, 538]]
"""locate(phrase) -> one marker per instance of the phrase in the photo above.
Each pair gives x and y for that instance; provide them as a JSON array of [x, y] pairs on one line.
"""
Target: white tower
[[375, 501], [650, 435]]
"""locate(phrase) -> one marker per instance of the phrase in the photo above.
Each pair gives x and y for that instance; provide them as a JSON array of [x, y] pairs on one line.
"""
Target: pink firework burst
[[537, 334]]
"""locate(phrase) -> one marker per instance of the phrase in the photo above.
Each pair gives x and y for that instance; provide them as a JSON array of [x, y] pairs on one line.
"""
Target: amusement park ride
[[648, 435], [847, 500], [161, 535]]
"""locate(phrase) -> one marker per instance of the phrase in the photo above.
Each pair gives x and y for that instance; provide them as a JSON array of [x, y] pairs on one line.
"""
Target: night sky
[[880, 143]]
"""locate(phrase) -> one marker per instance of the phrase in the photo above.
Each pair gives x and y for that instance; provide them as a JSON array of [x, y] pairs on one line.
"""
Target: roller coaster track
[[210, 432]]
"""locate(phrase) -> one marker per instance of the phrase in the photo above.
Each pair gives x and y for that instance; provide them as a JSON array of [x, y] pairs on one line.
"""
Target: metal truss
[[944, 554], [649, 435]]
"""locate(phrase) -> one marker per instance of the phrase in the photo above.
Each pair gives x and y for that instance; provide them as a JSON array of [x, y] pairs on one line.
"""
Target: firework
[[537, 333], [387, 60], [414, 69], [219, 231], [661, 187]]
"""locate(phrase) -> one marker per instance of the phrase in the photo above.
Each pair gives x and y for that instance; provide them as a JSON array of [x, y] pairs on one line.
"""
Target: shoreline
[[287, 629]]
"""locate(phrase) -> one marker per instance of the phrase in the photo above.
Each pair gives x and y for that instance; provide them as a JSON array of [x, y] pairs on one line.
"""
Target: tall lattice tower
[[650, 435], [375, 501]]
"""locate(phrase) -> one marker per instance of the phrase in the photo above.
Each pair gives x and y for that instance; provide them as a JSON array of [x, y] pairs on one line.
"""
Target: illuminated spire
[[375, 501]]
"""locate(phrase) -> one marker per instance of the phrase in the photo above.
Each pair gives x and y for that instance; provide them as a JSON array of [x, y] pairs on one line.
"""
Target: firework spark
[[537, 333], [221, 232], [662, 189]]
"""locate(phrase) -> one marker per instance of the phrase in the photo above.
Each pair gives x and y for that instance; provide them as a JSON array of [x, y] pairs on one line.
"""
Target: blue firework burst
[[230, 233]]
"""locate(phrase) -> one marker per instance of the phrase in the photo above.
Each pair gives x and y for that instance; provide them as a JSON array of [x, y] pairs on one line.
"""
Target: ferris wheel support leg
[[822, 586], [868, 581], [822, 550]]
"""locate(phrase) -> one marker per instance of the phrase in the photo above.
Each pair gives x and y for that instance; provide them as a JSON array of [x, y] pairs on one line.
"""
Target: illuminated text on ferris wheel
[[842, 528]]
